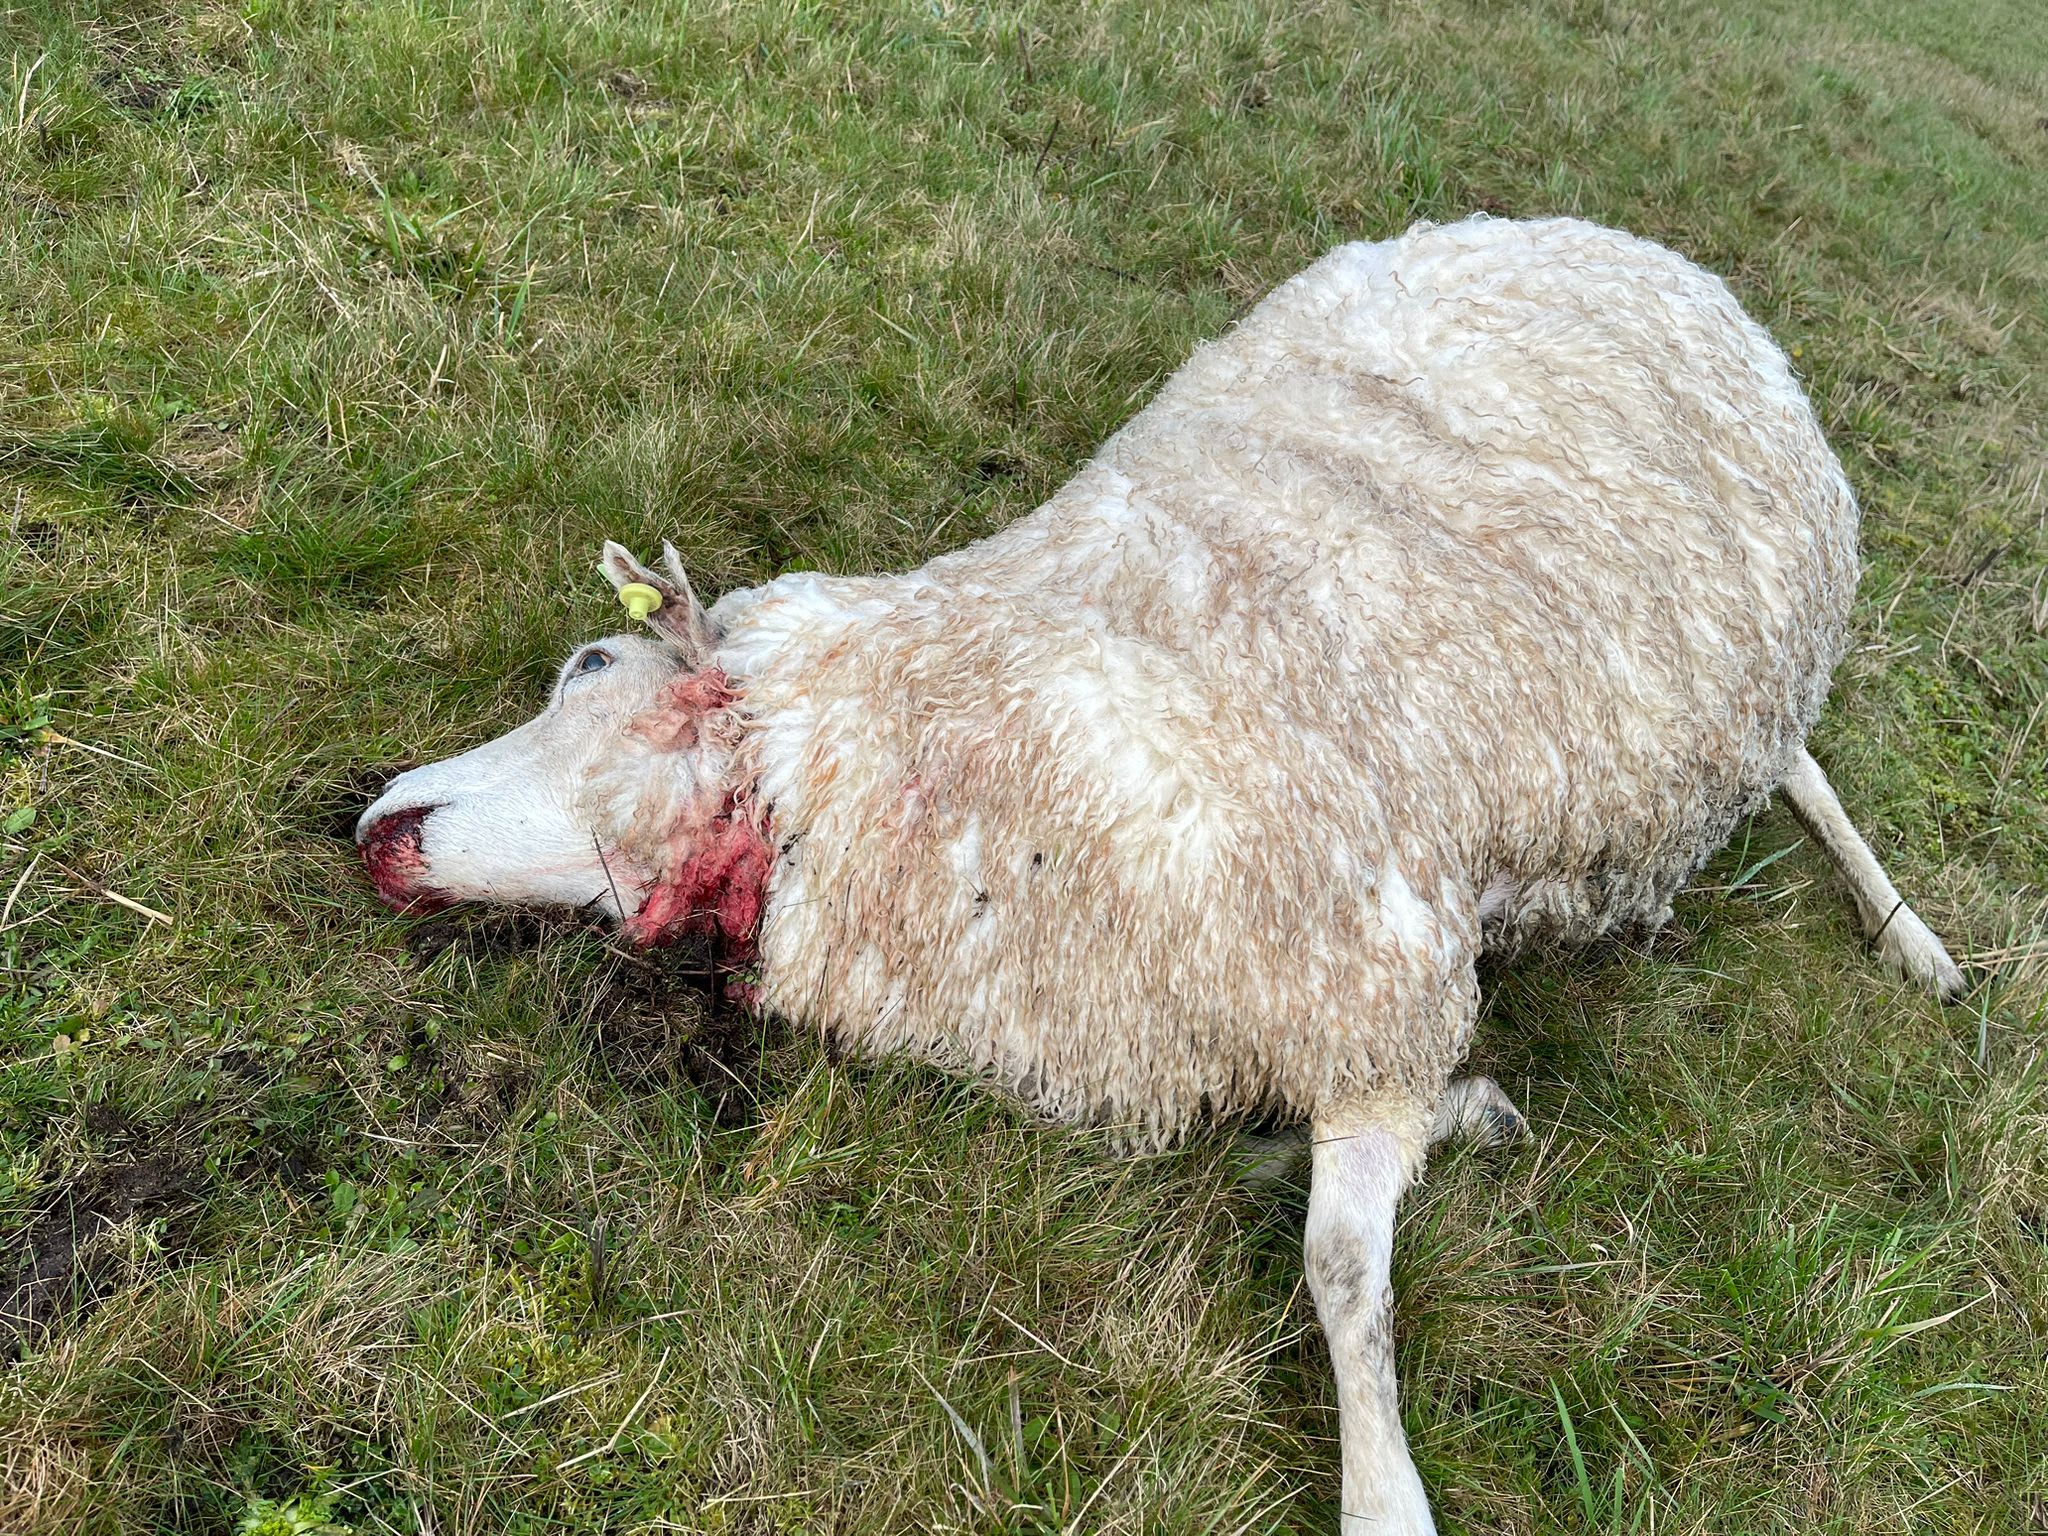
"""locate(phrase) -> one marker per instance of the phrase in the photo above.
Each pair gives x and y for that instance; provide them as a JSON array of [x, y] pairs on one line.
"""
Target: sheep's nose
[[397, 866]]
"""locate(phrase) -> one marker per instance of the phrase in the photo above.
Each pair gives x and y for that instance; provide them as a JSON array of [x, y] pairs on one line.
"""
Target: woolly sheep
[[1466, 594]]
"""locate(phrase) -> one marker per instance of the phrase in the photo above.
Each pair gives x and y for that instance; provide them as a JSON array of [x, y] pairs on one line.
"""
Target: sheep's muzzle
[[390, 847]]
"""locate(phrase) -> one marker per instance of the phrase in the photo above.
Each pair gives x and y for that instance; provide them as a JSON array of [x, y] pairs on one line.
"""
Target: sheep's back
[[1532, 514]]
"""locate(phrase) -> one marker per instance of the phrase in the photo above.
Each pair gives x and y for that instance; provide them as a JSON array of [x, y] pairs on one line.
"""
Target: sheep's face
[[610, 797]]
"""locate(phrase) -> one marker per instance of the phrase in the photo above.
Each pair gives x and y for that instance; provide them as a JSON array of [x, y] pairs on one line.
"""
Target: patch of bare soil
[[484, 933], [670, 1019], [66, 1259]]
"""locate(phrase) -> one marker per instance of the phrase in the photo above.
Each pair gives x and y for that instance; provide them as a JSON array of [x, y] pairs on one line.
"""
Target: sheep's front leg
[[1360, 1166]]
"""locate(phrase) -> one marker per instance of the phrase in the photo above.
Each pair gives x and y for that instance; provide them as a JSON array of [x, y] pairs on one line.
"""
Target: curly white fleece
[[1468, 591]]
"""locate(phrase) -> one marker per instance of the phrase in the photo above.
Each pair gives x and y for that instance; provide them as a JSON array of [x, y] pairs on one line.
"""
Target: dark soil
[[65, 1261]]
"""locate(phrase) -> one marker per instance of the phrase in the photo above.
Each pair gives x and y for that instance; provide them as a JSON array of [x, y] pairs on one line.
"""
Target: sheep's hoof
[[1475, 1109], [1909, 950]]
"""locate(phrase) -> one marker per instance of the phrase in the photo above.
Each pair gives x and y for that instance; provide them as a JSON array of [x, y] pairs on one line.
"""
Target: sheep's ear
[[681, 619]]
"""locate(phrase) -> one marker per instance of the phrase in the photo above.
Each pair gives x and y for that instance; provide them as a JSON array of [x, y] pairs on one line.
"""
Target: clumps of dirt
[[669, 1019], [108, 1122], [725, 1059], [485, 933], [67, 1259]]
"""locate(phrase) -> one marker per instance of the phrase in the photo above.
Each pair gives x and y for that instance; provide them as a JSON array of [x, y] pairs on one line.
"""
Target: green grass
[[332, 340]]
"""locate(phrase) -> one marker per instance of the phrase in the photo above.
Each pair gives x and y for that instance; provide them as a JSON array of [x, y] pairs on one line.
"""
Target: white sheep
[[1468, 592]]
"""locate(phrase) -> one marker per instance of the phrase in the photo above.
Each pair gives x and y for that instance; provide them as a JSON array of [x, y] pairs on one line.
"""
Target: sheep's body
[[1469, 590]]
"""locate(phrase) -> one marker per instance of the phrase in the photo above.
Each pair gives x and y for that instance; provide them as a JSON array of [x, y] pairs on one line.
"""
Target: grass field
[[333, 337]]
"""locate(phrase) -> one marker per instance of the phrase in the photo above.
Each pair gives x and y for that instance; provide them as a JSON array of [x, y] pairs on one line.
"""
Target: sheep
[[1464, 596]]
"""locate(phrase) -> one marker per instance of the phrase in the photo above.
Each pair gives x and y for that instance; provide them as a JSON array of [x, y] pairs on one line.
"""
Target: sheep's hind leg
[[1361, 1164], [1906, 945], [1475, 1109]]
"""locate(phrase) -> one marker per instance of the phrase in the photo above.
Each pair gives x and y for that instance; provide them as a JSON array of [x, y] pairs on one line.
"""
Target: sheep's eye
[[594, 661]]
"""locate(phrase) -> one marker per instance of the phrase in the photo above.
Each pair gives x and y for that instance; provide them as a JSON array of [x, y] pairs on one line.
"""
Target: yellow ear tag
[[639, 599]]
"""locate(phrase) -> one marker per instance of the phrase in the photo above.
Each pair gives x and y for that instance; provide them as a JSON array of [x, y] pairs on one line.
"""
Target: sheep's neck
[[716, 881], [718, 888]]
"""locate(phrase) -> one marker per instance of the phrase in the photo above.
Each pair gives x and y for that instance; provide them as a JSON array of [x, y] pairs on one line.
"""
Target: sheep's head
[[621, 795]]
